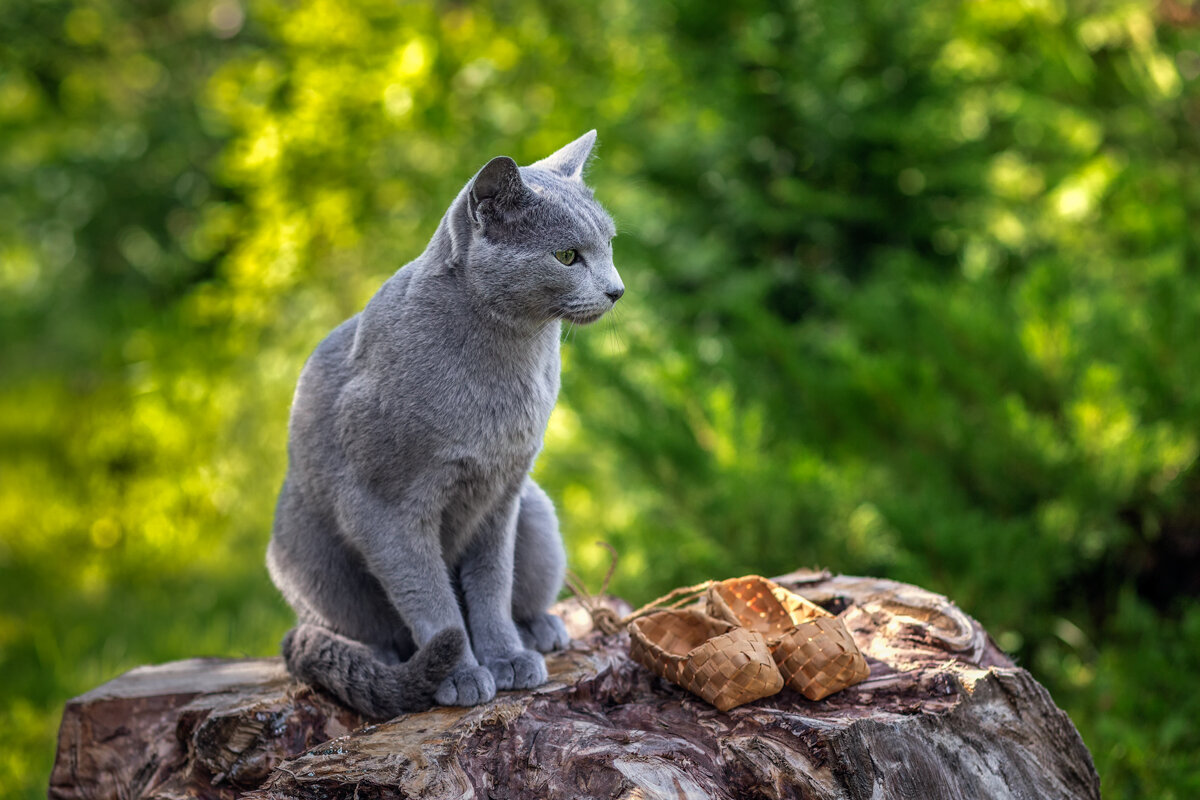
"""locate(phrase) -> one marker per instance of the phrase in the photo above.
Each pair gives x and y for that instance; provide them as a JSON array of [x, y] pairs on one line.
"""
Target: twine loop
[[605, 619]]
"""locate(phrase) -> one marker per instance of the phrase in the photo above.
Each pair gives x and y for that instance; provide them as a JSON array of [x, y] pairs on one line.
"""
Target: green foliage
[[912, 292], [1131, 689]]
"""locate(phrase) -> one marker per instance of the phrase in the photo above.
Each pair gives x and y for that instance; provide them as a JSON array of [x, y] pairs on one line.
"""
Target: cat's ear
[[570, 160], [499, 182]]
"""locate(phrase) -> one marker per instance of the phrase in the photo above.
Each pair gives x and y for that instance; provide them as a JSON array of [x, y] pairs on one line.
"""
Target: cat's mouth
[[584, 316]]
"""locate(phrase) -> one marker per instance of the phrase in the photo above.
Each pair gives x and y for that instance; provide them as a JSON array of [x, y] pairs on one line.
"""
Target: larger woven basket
[[813, 648], [724, 664]]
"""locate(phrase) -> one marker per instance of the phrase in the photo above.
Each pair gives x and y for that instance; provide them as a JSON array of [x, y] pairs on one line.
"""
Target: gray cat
[[408, 517]]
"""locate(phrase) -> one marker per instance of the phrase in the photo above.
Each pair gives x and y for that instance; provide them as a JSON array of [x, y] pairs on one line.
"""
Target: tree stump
[[944, 714]]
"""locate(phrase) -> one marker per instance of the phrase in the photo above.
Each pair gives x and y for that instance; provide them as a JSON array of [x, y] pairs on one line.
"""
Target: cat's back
[[321, 382], [333, 368], [332, 363]]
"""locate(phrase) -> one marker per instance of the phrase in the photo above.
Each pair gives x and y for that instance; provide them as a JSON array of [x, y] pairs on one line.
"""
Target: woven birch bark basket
[[724, 664], [735, 641], [814, 650]]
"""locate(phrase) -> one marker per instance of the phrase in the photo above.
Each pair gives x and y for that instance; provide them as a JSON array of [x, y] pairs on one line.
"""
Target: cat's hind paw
[[523, 669], [468, 686], [544, 633]]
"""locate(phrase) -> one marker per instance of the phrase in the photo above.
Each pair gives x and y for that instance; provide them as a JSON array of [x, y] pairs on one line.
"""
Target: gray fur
[[408, 524]]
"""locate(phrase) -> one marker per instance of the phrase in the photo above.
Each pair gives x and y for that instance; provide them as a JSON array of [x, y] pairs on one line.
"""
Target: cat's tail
[[354, 674]]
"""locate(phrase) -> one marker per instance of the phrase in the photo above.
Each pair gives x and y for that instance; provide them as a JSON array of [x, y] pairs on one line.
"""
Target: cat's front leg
[[539, 563], [400, 545], [486, 579]]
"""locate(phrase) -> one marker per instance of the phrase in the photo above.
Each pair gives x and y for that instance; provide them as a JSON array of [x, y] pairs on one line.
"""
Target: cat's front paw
[[544, 633], [523, 669], [467, 686]]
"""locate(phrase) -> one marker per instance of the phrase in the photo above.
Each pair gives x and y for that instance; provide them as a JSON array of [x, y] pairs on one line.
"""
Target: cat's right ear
[[498, 184]]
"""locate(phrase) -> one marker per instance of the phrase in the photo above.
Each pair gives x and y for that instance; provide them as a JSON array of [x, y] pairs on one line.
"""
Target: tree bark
[[944, 714]]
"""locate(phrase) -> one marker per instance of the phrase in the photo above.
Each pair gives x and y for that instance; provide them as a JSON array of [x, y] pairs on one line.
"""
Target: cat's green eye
[[566, 256]]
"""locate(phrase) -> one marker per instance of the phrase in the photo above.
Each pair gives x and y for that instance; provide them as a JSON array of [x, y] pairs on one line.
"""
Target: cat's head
[[538, 245]]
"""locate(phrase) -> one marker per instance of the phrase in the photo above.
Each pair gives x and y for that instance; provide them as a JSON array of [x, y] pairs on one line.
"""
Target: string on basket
[[605, 619]]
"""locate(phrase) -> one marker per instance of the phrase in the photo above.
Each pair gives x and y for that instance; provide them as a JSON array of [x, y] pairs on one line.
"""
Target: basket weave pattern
[[724, 664], [819, 658], [814, 650]]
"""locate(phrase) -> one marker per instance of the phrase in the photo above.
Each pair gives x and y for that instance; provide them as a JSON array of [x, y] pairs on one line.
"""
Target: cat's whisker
[[533, 334], [616, 330]]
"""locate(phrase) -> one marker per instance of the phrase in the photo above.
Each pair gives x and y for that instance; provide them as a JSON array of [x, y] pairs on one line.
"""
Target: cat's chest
[[455, 398], [506, 414], [503, 396]]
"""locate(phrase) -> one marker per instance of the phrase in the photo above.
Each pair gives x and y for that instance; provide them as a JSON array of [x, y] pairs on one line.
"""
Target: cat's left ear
[[569, 161], [498, 183]]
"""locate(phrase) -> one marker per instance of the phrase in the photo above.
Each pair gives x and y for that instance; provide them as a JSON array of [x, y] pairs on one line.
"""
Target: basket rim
[[779, 594], [635, 630]]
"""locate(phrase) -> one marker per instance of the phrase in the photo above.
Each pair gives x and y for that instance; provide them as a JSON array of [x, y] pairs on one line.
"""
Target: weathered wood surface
[[944, 714]]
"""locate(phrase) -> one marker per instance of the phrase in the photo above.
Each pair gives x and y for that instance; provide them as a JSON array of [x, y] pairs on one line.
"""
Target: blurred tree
[[108, 210]]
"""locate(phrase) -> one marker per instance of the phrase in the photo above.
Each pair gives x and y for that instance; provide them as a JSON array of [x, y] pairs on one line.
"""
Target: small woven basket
[[724, 664], [813, 648]]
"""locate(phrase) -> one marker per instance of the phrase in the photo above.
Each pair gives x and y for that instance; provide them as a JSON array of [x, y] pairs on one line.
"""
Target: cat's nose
[[615, 293]]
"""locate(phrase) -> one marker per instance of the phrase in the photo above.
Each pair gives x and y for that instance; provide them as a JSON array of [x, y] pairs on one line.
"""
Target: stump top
[[192, 676]]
